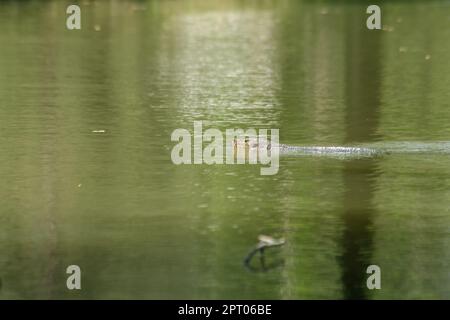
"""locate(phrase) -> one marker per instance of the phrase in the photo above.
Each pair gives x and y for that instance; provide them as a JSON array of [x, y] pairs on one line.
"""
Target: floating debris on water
[[428, 57], [138, 8], [268, 241], [98, 131], [264, 242]]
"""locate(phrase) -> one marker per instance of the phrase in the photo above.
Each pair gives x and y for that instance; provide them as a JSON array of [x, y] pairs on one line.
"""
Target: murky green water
[[140, 227]]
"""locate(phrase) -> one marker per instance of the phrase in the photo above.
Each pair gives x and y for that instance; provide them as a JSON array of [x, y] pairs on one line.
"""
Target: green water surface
[[141, 227]]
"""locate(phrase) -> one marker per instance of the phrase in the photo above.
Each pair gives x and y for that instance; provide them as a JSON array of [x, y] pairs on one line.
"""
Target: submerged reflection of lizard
[[264, 242]]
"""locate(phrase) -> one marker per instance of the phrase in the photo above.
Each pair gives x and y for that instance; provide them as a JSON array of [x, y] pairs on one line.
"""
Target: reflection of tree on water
[[362, 101]]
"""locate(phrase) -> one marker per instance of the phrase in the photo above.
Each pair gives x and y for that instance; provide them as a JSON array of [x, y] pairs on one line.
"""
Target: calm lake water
[[141, 227]]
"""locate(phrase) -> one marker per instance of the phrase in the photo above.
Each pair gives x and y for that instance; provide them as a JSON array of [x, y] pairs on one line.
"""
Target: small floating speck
[[428, 57], [80, 185], [138, 8], [402, 49], [97, 27], [213, 227], [388, 28], [98, 131]]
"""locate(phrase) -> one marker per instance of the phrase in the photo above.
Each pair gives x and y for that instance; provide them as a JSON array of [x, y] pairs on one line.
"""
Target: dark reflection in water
[[357, 238], [362, 106]]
